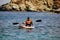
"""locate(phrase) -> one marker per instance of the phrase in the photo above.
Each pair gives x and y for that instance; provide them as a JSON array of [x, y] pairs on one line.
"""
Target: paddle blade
[[15, 23], [38, 20]]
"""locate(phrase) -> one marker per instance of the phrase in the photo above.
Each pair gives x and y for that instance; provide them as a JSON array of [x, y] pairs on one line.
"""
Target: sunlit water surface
[[47, 29]]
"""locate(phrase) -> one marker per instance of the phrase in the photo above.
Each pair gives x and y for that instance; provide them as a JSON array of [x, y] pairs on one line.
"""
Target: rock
[[8, 7], [22, 7], [31, 5], [15, 7]]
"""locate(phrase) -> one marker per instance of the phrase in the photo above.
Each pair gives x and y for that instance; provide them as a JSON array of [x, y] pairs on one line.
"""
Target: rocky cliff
[[32, 5]]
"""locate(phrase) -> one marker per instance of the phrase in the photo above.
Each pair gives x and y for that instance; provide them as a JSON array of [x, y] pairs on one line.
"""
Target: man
[[28, 22]]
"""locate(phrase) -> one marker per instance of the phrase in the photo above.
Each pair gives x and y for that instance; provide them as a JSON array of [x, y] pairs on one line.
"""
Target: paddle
[[15, 23], [38, 20]]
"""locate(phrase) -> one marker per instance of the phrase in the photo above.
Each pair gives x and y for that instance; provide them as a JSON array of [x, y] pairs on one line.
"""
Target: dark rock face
[[31, 5]]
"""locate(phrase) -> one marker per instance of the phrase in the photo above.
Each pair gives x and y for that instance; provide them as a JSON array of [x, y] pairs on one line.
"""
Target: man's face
[[28, 19]]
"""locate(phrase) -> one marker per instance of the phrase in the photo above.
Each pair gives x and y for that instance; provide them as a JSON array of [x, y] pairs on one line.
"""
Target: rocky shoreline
[[31, 5]]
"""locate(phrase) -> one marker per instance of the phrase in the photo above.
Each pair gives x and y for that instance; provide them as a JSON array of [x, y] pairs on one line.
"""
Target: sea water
[[47, 29]]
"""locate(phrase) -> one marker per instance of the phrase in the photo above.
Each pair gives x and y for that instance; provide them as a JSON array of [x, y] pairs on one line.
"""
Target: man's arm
[[32, 23]]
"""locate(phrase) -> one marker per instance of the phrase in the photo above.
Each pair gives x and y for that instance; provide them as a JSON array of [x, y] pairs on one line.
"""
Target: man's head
[[28, 18]]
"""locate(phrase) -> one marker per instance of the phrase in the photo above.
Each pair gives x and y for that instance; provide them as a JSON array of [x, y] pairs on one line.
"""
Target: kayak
[[22, 26], [28, 27]]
